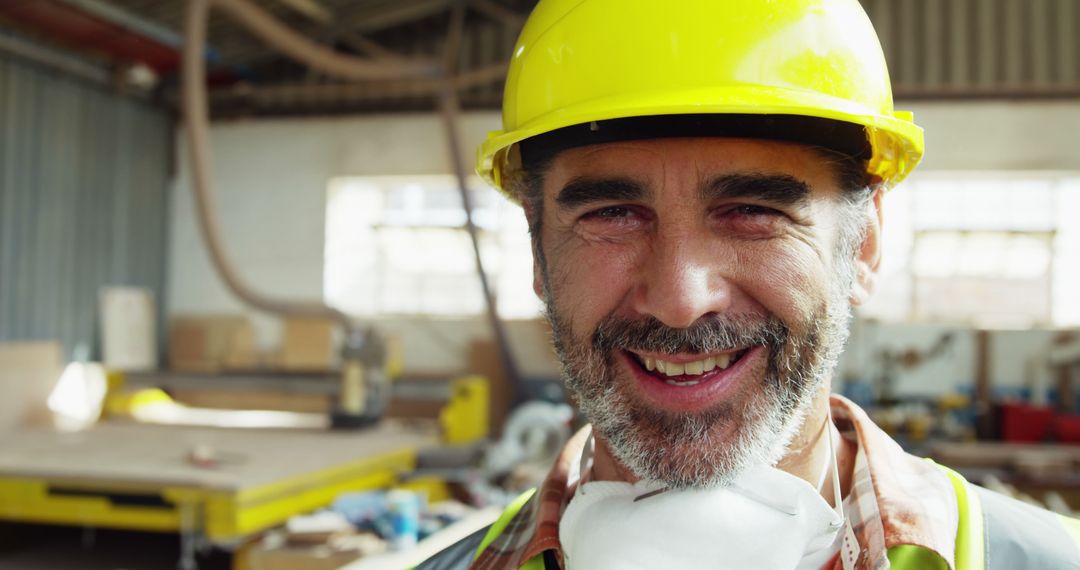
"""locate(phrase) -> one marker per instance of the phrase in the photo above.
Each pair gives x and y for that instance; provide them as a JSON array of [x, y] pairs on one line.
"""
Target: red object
[[1025, 423], [75, 28], [1067, 429]]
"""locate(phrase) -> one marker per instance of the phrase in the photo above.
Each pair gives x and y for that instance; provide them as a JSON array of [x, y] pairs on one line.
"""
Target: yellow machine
[[133, 476]]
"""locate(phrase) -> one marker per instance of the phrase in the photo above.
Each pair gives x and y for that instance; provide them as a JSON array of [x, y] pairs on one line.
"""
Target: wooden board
[[128, 453]]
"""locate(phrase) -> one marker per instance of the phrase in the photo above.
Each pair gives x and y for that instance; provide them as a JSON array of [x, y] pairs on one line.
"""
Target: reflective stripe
[[504, 519], [970, 542], [458, 556]]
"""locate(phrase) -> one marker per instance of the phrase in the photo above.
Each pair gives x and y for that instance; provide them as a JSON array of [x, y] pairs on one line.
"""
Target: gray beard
[[713, 446]]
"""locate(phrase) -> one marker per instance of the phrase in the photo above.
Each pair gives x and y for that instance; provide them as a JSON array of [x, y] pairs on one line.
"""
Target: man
[[703, 182]]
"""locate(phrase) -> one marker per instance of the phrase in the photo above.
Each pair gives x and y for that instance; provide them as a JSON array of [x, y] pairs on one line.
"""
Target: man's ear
[[868, 258]]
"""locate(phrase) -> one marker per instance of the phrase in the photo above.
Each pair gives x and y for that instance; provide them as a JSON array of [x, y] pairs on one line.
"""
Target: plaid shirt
[[895, 499]]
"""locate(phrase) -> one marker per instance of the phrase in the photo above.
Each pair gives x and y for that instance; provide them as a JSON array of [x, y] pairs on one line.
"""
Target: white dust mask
[[766, 518]]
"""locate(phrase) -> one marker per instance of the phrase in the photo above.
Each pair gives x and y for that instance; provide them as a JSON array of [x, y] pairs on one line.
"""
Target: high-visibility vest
[[995, 532]]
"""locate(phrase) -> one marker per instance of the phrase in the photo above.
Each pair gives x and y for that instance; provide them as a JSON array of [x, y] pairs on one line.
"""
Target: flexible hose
[[315, 56], [197, 125], [196, 122]]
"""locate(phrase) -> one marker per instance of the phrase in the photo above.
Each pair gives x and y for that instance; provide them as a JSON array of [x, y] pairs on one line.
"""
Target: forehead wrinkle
[[774, 188]]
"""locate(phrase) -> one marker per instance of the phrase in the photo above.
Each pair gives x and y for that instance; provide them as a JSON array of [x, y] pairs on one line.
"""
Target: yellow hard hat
[[787, 69]]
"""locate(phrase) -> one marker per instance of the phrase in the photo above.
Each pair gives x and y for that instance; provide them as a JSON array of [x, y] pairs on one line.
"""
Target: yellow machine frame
[[223, 517], [228, 517]]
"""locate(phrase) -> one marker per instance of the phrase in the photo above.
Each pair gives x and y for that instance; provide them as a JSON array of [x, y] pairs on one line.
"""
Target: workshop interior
[[257, 311]]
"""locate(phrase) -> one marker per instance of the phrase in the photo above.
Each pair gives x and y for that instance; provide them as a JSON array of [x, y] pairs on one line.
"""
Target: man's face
[[698, 296]]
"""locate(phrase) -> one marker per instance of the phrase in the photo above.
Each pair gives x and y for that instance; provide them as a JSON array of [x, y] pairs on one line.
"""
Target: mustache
[[708, 334]]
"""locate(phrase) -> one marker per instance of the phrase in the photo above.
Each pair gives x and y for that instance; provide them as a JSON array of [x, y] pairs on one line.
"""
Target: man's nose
[[683, 280]]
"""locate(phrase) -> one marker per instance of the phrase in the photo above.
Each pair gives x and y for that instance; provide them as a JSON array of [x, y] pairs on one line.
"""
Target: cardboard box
[[308, 345], [241, 353], [210, 343], [28, 373]]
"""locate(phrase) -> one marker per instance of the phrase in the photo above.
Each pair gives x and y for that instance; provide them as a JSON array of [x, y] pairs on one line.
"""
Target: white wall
[[1017, 358], [270, 178], [999, 135]]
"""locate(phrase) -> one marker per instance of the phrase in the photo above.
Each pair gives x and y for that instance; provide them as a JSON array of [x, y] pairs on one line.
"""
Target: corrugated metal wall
[[971, 48], [83, 183]]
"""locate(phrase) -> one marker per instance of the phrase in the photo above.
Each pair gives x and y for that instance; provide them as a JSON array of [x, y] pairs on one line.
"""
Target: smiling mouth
[[688, 373]]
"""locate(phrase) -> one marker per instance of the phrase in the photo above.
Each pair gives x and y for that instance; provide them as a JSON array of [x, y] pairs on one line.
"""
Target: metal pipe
[[128, 21], [355, 92], [50, 58], [448, 105]]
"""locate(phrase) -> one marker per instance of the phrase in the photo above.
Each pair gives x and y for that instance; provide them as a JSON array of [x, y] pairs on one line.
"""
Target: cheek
[[789, 282], [589, 280]]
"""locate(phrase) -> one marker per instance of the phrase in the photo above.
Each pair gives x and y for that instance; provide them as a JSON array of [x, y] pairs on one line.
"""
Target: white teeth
[[690, 383], [695, 368]]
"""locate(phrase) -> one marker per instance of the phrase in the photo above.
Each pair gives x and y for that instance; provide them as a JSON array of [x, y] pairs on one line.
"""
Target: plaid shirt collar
[[895, 499]]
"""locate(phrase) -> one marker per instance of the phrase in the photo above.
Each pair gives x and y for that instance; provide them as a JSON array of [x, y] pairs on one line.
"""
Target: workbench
[[141, 477]]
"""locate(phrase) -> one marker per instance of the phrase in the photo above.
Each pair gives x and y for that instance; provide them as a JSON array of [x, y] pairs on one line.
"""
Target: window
[[988, 249], [983, 248], [396, 245]]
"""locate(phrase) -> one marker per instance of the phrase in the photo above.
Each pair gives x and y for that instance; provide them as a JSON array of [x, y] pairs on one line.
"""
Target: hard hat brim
[[896, 143]]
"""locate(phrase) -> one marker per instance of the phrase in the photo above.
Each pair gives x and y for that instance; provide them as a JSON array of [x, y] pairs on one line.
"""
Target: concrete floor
[[39, 547]]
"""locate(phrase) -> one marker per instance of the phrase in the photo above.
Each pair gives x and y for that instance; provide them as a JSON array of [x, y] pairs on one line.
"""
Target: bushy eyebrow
[[780, 189], [583, 191]]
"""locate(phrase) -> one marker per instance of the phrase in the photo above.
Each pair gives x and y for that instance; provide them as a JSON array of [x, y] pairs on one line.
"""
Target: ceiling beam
[[94, 27], [330, 93], [53, 58], [314, 10], [128, 21], [374, 17], [371, 48], [493, 9]]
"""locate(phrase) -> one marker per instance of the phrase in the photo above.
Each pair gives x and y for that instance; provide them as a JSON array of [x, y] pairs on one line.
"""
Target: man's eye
[[609, 212], [751, 220], [614, 221], [754, 210]]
